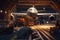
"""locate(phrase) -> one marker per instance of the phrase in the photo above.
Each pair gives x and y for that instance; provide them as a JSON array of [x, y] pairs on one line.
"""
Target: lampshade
[[32, 10]]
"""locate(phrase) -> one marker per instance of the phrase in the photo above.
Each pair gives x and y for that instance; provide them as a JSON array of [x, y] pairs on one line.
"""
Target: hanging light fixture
[[32, 10], [52, 17]]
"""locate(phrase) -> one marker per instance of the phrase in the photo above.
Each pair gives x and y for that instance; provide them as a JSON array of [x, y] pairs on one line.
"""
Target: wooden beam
[[34, 0], [54, 6], [42, 3]]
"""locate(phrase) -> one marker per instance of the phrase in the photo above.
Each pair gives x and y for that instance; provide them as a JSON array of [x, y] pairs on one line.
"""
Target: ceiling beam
[[34, 0], [39, 3], [36, 3], [54, 6]]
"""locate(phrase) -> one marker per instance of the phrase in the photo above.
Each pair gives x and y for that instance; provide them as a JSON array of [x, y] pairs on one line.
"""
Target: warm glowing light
[[1, 11], [42, 26], [51, 15], [5, 11], [32, 27], [47, 22], [32, 10], [45, 27], [43, 8]]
